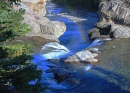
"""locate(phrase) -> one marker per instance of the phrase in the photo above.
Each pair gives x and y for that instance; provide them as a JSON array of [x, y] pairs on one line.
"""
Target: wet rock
[[94, 50], [60, 74], [84, 56]]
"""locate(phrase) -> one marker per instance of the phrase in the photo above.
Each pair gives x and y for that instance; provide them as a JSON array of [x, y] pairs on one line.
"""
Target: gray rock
[[41, 26], [84, 56], [52, 29], [94, 33], [103, 25], [120, 31], [114, 11], [94, 50]]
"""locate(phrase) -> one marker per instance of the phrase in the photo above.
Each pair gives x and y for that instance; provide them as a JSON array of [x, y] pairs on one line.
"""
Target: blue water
[[85, 78], [75, 38]]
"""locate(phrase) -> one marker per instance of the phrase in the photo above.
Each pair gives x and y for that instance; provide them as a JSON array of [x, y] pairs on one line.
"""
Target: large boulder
[[114, 19], [115, 11], [120, 31], [35, 11], [44, 28], [84, 56]]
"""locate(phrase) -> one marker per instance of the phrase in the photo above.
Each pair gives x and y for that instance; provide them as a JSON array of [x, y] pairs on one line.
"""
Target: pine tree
[[17, 74]]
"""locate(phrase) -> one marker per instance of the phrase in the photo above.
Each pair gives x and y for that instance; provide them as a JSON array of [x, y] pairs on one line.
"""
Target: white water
[[54, 51]]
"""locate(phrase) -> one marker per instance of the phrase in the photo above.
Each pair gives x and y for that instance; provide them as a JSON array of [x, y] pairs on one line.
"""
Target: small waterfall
[[54, 50]]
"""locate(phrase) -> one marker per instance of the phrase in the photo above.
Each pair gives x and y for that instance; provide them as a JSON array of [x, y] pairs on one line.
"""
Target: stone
[[84, 56], [114, 11], [93, 33], [60, 74], [120, 31], [36, 6], [52, 29], [103, 25], [41, 26]]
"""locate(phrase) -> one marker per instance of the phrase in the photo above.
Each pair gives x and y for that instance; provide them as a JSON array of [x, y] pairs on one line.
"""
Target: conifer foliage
[[17, 74]]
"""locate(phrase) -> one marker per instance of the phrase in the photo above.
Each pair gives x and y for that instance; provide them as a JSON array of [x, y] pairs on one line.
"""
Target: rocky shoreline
[[107, 27], [112, 56], [35, 12], [113, 23]]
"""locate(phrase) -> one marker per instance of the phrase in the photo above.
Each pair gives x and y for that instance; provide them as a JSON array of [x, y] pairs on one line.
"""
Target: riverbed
[[110, 75]]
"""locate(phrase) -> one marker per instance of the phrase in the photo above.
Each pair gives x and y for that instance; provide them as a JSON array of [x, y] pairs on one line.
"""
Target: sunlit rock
[[35, 10], [84, 56]]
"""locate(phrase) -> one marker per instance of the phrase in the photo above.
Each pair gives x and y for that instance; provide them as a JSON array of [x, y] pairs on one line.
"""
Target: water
[[83, 78], [75, 38]]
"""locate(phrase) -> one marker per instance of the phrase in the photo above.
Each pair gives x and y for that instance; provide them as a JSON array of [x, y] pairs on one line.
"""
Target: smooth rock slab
[[84, 56]]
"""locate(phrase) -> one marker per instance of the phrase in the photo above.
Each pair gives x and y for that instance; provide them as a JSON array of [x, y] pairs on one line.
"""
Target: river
[[82, 78]]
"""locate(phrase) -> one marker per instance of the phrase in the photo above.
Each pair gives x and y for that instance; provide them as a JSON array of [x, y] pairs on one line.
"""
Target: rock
[[52, 29], [84, 56], [94, 33], [115, 11], [120, 31], [94, 50], [37, 6], [47, 29], [103, 25], [60, 74], [41, 26]]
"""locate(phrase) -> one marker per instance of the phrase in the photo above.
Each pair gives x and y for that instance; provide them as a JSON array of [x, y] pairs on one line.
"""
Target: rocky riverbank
[[114, 20], [111, 74], [35, 11]]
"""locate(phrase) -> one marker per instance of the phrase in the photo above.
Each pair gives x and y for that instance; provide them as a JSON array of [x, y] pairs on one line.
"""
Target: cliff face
[[117, 11], [114, 20], [35, 10]]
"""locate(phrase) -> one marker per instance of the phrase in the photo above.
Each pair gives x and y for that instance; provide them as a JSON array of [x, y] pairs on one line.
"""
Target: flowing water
[[80, 78]]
